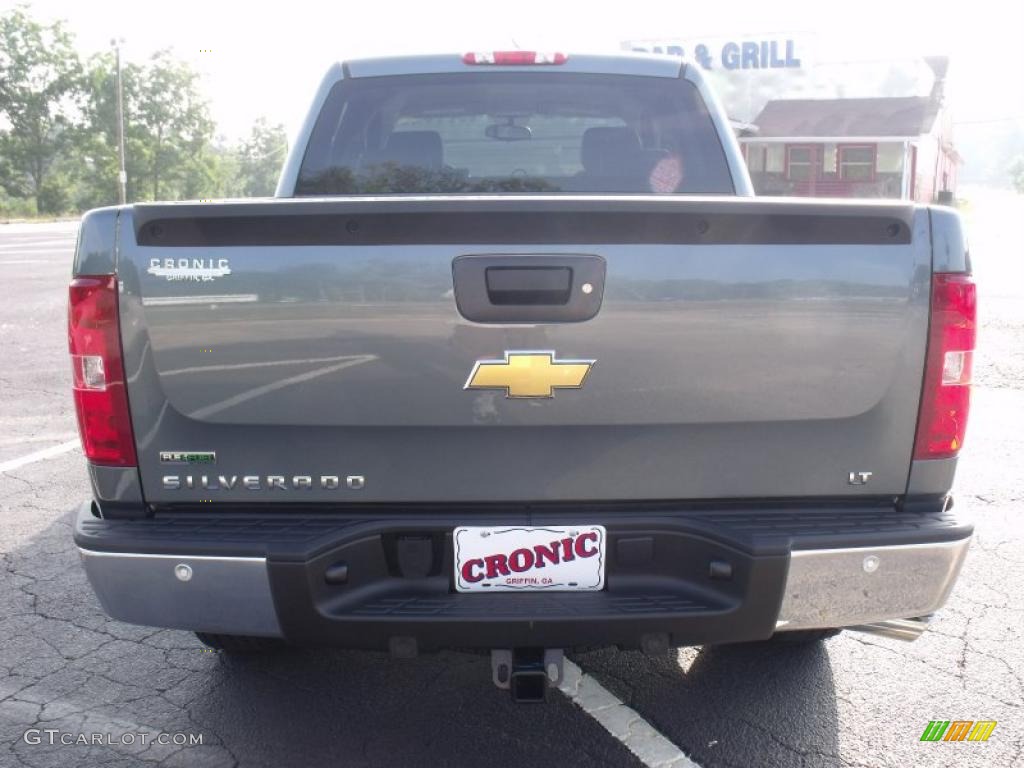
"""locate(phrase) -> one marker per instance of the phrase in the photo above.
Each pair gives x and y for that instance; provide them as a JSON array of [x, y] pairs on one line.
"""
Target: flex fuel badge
[[189, 270], [188, 457]]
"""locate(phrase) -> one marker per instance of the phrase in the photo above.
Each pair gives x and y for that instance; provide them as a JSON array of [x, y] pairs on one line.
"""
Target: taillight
[[101, 401], [514, 58], [946, 396]]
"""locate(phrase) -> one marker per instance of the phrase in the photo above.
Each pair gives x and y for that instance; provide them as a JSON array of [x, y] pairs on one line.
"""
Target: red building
[[896, 147]]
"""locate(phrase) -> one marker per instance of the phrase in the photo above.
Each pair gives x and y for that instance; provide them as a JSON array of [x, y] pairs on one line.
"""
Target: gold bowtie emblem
[[529, 374]]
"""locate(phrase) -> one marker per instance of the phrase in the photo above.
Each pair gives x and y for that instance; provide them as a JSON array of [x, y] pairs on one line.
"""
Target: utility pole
[[122, 175]]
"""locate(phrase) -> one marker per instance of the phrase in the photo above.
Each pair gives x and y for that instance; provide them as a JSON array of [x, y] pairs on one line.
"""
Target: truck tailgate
[[743, 348]]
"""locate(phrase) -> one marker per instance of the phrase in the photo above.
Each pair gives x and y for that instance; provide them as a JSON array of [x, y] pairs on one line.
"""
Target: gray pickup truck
[[514, 361]]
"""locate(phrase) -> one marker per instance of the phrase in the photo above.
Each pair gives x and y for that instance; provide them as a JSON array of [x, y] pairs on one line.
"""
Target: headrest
[[605, 148], [417, 148]]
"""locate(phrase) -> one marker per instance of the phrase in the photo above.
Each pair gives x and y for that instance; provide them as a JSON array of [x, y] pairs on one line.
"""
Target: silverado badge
[[529, 374]]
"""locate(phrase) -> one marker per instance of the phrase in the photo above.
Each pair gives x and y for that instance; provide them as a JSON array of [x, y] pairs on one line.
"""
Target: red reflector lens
[[101, 402], [945, 399], [514, 58]]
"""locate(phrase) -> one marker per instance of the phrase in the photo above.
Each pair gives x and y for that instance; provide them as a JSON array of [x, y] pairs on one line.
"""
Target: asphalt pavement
[[854, 700]]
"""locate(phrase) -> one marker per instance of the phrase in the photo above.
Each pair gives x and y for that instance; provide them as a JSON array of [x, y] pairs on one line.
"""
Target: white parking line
[[38, 229], [636, 734], [23, 261], [42, 438], [36, 245], [46, 453]]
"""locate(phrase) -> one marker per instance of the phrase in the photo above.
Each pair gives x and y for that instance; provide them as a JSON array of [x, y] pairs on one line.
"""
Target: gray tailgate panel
[[723, 370]]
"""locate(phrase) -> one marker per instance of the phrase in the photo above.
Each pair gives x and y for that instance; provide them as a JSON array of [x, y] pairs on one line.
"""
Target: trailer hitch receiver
[[527, 673]]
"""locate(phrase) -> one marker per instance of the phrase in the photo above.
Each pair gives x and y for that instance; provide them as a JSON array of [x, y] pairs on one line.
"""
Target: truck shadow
[[315, 707], [749, 704], [74, 669]]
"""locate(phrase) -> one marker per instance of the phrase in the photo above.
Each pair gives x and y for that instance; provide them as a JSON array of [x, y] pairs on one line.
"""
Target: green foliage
[[260, 158], [54, 196], [168, 129], [58, 129], [224, 158], [15, 207], [40, 78], [96, 145], [1017, 174], [390, 177], [171, 128]]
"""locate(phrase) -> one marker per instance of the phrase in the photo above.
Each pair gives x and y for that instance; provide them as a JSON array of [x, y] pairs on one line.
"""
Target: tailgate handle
[[528, 288], [507, 286]]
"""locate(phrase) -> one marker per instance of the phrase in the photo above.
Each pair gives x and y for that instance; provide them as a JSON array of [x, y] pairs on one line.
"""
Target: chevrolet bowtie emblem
[[529, 374]]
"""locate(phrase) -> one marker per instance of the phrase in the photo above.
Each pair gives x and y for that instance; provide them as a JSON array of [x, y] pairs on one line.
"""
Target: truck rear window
[[509, 132]]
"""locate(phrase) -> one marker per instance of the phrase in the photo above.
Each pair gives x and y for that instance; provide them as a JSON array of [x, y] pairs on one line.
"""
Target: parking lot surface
[[854, 700]]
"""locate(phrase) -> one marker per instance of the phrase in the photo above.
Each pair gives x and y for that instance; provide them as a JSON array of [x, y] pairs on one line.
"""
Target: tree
[[173, 128], [96, 141], [1017, 174], [40, 80], [260, 158], [168, 132]]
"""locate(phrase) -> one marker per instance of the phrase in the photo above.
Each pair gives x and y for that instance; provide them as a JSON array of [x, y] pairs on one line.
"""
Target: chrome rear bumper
[[868, 585], [871, 589], [226, 595], [673, 579]]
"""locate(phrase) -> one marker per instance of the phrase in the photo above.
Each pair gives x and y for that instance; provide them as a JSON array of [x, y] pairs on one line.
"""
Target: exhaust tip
[[907, 630]]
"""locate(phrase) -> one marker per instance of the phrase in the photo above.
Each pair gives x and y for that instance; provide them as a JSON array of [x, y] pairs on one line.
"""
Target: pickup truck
[[515, 362]]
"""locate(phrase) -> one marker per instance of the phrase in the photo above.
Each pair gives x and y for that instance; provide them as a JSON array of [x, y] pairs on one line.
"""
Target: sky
[[268, 58]]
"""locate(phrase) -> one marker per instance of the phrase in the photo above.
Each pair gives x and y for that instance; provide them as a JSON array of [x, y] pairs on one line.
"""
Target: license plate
[[552, 558]]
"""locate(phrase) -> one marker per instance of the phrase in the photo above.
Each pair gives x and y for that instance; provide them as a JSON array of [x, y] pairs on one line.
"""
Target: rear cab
[[514, 360]]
